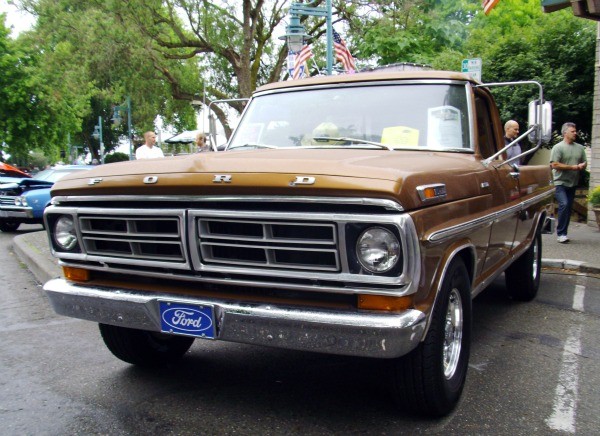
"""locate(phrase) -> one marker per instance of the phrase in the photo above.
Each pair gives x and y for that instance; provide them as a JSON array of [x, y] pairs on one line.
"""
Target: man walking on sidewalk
[[567, 160]]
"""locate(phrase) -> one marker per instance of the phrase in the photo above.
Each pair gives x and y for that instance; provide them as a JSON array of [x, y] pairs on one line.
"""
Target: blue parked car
[[24, 200]]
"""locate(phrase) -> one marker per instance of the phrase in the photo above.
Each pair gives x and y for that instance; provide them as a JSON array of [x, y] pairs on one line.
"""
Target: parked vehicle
[[23, 200], [352, 214], [8, 173]]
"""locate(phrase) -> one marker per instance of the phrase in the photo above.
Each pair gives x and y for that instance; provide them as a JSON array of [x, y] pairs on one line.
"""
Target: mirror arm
[[487, 161]]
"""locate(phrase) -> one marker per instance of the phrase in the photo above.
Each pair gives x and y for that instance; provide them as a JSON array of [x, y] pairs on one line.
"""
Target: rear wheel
[[523, 276], [144, 348], [9, 226], [430, 379]]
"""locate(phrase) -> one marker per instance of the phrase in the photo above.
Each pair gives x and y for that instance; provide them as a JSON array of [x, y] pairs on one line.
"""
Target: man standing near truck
[[567, 160], [511, 132]]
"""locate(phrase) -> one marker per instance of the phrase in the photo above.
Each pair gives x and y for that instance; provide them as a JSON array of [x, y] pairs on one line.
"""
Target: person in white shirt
[[148, 150]]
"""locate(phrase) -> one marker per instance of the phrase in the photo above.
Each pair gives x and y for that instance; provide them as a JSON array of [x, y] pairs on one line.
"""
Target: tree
[[517, 41], [92, 66], [163, 54], [116, 157], [30, 116], [417, 31], [230, 43]]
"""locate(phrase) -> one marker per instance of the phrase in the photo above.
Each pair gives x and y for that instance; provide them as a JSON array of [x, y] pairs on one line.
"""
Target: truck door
[[501, 185]]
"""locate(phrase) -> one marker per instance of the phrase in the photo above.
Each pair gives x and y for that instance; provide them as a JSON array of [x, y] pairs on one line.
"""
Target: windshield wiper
[[352, 140], [253, 145]]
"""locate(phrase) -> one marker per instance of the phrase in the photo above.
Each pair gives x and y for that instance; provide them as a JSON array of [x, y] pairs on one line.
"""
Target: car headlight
[[64, 233], [378, 249], [18, 201]]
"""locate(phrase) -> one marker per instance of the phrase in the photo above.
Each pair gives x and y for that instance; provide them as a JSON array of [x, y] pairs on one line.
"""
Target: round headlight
[[64, 233], [378, 249], [17, 201], [24, 201]]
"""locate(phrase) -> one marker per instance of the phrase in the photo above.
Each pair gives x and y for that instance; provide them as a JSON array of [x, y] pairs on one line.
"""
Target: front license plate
[[187, 319]]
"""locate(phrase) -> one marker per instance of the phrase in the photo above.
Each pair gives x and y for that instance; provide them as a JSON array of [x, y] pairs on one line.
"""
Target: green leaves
[[82, 58]]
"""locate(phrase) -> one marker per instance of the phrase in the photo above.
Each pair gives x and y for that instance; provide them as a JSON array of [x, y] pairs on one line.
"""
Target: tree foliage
[[29, 105], [83, 58], [517, 41], [416, 31]]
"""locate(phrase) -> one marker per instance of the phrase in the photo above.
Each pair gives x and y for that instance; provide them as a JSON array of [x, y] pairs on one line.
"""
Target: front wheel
[[523, 276], [9, 226], [144, 348], [430, 379]]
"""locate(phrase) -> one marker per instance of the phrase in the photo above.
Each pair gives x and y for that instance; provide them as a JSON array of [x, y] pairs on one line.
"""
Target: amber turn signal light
[[380, 302], [76, 274]]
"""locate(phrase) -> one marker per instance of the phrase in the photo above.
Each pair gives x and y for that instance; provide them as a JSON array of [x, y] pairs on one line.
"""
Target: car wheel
[[430, 379], [144, 348], [523, 276], [9, 226]]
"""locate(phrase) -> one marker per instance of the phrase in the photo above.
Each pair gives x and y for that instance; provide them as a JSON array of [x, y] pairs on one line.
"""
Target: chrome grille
[[288, 244], [268, 244], [138, 237], [7, 200]]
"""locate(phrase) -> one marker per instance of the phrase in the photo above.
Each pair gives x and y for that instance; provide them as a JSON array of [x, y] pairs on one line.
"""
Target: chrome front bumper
[[369, 334], [16, 212]]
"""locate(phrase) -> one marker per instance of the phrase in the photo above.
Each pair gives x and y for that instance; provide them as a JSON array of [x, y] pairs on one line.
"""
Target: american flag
[[342, 53], [488, 5], [300, 61]]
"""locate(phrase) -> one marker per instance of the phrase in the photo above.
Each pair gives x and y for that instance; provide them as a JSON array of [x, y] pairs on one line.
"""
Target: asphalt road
[[534, 370]]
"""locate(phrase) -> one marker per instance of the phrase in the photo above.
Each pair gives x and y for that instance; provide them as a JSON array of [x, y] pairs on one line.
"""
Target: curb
[[42, 267], [573, 265]]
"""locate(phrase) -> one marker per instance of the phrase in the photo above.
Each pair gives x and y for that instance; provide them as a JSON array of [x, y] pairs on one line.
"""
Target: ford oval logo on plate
[[187, 319]]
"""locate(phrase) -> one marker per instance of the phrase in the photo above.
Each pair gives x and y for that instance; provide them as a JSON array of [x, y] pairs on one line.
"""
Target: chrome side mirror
[[540, 117]]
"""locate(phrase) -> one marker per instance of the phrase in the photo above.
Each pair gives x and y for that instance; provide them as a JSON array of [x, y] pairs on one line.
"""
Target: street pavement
[[581, 254]]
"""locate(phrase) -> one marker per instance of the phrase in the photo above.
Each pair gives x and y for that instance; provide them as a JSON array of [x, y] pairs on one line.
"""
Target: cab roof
[[372, 76]]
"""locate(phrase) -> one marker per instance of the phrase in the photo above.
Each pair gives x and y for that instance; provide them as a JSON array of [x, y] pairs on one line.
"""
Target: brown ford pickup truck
[[355, 215]]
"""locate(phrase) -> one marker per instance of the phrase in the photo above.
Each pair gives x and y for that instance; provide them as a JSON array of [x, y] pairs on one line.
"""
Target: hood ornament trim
[[150, 180], [303, 180]]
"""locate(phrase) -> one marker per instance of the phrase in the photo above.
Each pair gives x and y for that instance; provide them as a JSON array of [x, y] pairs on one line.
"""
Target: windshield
[[427, 116]]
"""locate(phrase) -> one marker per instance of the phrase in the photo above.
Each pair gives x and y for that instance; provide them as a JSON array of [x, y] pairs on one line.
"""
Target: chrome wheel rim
[[453, 333]]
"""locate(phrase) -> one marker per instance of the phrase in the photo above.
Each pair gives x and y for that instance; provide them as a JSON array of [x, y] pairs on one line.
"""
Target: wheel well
[[467, 254], [468, 257]]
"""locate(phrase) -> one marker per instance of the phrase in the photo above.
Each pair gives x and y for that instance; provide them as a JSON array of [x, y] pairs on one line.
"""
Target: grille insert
[[271, 244], [138, 237]]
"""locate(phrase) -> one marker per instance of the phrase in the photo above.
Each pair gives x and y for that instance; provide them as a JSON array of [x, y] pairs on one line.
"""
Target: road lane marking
[[566, 398], [578, 298]]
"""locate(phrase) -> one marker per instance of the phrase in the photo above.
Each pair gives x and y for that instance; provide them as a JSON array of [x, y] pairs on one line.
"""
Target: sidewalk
[[581, 254]]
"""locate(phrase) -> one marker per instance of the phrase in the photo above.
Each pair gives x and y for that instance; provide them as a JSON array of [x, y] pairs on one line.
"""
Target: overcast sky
[[16, 20]]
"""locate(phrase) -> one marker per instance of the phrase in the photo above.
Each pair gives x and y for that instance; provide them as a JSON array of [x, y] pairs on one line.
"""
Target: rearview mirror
[[540, 116]]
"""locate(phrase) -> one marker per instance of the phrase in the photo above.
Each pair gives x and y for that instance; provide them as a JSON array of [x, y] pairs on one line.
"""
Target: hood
[[10, 171], [22, 185], [336, 172]]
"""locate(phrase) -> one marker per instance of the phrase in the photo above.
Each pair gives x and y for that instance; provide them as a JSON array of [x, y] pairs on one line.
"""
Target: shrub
[[116, 157], [594, 196]]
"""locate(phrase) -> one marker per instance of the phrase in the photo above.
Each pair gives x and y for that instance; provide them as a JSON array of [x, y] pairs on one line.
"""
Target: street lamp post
[[98, 135], [295, 33], [117, 118]]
